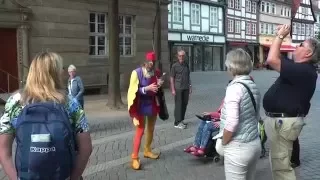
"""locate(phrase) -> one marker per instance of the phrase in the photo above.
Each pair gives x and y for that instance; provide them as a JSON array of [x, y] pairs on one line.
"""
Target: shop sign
[[197, 37]]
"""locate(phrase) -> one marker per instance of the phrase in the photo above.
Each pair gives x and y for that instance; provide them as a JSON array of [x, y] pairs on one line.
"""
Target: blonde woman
[[239, 119], [44, 88], [75, 85]]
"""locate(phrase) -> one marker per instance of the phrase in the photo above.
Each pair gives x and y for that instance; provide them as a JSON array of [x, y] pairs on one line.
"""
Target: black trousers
[[181, 101], [295, 157]]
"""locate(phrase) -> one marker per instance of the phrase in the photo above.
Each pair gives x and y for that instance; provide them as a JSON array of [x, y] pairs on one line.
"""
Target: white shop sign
[[197, 37]]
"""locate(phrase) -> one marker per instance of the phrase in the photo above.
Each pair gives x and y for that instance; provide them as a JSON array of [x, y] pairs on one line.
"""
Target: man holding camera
[[287, 101]]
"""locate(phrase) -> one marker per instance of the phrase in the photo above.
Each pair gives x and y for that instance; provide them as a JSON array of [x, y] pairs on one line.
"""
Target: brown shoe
[[151, 155], [135, 163]]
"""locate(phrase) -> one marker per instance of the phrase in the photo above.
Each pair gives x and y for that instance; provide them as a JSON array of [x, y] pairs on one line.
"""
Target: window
[[261, 28], [298, 28], [248, 28], [230, 25], [195, 14], [254, 29], [98, 34], [237, 4], [303, 29], [231, 3], [273, 9], [285, 11], [177, 11], [126, 36], [307, 30], [238, 27], [254, 7], [248, 5], [263, 6], [213, 16], [267, 7], [294, 28]]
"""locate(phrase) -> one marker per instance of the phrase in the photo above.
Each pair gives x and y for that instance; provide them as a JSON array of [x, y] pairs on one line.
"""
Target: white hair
[[72, 67], [238, 62]]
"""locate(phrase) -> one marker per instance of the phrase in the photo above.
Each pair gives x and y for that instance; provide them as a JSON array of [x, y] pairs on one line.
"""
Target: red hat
[[151, 56]]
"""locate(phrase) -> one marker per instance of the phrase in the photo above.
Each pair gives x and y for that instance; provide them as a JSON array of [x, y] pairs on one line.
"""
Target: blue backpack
[[45, 142]]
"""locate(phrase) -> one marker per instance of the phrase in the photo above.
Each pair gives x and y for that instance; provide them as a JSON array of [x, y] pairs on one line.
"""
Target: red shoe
[[199, 152], [190, 149]]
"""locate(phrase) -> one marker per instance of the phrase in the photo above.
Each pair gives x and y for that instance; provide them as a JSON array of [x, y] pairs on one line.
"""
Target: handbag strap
[[251, 95]]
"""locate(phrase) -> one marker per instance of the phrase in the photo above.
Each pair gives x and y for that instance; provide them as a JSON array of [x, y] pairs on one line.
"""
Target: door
[[8, 61], [213, 58], [197, 58]]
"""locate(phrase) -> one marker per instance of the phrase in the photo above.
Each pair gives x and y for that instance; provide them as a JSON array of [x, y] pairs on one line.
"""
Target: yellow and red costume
[[143, 108]]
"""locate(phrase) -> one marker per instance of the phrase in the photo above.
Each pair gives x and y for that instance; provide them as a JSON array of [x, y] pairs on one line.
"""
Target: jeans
[[240, 160], [204, 133]]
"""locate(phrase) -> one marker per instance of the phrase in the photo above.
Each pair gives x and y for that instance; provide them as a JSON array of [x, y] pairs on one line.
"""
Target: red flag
[[295, 7]]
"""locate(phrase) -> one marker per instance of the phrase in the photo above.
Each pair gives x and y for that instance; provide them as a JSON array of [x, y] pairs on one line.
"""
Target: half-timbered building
[[272, 14], [242, 17], [303, 22], [198, 28]]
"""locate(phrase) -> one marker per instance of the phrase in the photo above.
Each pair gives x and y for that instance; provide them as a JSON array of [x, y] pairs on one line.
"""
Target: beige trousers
[[281, 133]]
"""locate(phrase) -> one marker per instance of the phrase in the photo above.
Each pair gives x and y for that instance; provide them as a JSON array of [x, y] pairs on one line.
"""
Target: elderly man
[[180, 88], [287, 101]]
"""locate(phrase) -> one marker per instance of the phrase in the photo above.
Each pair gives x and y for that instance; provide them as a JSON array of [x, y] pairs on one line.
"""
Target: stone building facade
[[76, 29]]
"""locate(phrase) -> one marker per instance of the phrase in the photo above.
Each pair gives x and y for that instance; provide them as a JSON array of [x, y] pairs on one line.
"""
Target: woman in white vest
[[239, 119]]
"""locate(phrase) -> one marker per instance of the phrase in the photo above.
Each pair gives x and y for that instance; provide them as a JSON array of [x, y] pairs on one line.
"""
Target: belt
[[284, 115]]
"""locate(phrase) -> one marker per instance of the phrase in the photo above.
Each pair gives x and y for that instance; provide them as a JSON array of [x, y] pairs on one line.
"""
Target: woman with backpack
[[50, 128]]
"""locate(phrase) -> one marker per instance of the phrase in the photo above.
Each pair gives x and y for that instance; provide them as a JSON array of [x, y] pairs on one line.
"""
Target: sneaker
[[180, 126]]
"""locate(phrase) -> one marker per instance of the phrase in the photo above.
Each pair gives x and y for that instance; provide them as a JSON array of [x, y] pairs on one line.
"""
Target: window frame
[[237, 24], [231, 3], [125, 35], [231, 25], [253, 28], [213, 21], [195, 14], [254, 10], [237, 4], [122, 34], [176, 5], [98, 34], [248, 4]]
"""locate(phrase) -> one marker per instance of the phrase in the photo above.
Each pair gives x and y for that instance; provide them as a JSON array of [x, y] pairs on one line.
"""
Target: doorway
[[8, 61]]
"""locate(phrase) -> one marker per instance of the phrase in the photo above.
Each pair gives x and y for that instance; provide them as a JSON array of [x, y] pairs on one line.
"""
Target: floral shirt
[[13, 108]]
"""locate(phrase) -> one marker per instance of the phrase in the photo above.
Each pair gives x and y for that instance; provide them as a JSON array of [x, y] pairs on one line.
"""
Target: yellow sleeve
[[133, 88]]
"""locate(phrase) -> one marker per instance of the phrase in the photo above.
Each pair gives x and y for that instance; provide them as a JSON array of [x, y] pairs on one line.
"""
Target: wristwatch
[[280, 36]]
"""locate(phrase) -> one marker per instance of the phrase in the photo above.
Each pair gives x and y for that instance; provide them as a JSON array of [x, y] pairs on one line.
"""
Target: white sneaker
[[180, 126]]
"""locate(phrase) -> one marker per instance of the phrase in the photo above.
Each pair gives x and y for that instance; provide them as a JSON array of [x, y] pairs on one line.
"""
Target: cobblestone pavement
[[112, 138]]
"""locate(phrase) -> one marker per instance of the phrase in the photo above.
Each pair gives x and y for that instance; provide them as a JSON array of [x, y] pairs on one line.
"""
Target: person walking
[[50, 128], [181, 89], [75, 85], [239, 134], [287, 102]]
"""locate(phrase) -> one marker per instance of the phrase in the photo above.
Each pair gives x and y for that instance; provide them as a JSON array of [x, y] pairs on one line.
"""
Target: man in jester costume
[[143, 106]]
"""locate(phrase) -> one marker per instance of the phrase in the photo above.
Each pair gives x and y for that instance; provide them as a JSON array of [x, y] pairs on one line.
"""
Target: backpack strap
[[251, 95]]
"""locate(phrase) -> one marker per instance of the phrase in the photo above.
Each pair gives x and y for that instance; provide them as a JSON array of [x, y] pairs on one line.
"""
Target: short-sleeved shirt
[[181, 74], [13, 108], [292, 91]]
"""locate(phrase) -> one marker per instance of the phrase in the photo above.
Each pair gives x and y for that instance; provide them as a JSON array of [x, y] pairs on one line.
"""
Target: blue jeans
[[204, 133]]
